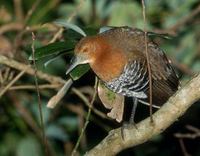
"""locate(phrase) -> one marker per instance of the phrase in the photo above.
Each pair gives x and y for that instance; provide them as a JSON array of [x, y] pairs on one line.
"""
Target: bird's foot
[[127, 125]]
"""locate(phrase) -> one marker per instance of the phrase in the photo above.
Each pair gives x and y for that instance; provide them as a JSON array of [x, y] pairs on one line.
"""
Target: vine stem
[[38, 95], [148, 61], [87, 118]]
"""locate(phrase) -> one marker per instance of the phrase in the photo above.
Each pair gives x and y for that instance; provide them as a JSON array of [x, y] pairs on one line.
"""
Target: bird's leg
[[132, 117]]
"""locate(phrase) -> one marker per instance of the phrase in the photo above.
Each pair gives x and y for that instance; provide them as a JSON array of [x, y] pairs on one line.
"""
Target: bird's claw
[[127, 125]]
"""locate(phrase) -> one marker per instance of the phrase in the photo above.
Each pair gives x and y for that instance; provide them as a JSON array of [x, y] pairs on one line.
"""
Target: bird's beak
[[75, 61]]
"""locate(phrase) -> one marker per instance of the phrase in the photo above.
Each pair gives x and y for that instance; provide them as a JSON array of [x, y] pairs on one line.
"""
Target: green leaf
[[79, 71], [91, 31], [153, 34], [53, 49], [70, 26], [72, 35], [105, 28]]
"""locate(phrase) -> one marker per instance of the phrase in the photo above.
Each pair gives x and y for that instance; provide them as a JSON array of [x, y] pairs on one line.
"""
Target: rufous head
[[86, 51]]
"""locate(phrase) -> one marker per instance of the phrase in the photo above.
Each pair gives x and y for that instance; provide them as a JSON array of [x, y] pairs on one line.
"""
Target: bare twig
[[87, 118], [57, 35], [12, 82], [76, 109], [50, 78], [18, 10], [185, 153], [193, 129], [44, 86], [20, 27], [182, 136], [20, 34], [85, 100], [81, 124], [163, 118], [10, 26], [38, 94], [148, 61], [73, 14], [194, 135], [20, 66], [30, 12], [187, 135]]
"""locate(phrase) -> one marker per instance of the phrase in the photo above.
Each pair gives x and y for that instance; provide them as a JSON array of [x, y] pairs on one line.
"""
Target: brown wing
[[165, 81], [132, 42]]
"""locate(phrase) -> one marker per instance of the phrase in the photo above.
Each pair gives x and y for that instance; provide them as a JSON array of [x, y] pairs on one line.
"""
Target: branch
[[194, 135], [32, 87], [163, 118], [18, 10], [10, 26], [20, 66], [73, 14], [11, 83], [54, 80]]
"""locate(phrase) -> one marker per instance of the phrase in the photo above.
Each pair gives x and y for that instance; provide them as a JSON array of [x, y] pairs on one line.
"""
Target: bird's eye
[[85, 50]]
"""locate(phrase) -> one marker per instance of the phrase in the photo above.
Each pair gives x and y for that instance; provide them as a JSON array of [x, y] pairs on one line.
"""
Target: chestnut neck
[[109, 62]]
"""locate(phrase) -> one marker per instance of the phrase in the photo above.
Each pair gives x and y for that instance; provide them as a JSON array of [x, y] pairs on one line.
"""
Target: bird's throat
[[109, 65]]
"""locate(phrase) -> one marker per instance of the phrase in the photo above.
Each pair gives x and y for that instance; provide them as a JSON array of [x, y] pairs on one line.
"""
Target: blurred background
[[20, 128]]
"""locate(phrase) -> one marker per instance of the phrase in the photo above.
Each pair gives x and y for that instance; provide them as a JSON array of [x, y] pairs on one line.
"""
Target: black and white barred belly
[[133, 82]]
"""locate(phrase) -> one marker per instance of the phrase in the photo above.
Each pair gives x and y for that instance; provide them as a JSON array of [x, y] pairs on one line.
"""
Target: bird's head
[[86, 51]]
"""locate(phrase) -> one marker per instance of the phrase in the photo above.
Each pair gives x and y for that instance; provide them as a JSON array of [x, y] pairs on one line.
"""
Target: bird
[[117, 57]]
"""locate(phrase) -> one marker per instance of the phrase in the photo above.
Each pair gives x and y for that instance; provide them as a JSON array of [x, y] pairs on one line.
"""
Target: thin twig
[[30, 12], [81, 124], [194, 135], [193, 129], [87, 118], [10, 26], [73, 14], [21, 66], [44, 86], [148, 61], [50, 78], [20, 34], [87, 103], [187, 135], [18, 10], [75, 109], [12, 82], [185, 153], [39, 97], [57, 35]]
